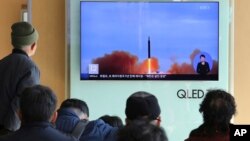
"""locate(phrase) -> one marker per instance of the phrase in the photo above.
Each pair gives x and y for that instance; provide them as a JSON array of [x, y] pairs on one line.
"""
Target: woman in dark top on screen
[[203, 66]]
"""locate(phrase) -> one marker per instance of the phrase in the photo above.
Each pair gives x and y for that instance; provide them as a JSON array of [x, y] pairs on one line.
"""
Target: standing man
[[17, 71]]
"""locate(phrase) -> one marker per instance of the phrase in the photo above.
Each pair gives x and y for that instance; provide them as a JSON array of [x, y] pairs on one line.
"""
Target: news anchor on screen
[[203, 66]]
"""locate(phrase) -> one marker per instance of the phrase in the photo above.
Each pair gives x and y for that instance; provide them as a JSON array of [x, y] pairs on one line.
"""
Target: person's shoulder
[[5, 59], [11, 137], [27, 63], [25, 60], [47, 133], [99, 130], [99, 125], [198, 131], [6, 138], [195, 132], [55, 135], [200, 134], [20, 59], [196, 135]]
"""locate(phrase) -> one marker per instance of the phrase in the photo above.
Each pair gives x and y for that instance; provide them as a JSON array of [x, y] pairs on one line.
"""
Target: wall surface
[[241, 62], [10, 12], [48, 16]]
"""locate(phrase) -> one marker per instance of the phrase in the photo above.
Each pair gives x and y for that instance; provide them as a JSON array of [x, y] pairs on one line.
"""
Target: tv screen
[[149, 40]]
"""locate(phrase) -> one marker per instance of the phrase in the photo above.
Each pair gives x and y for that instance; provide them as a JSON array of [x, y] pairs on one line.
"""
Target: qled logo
[[190, 94]]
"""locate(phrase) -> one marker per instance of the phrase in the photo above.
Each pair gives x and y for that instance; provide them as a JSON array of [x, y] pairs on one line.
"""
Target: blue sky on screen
[[175, 30]]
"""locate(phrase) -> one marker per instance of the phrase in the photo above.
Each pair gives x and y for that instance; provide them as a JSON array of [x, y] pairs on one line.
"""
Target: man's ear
[[54, 117], [84, 117], [158, 121], [33, 46]]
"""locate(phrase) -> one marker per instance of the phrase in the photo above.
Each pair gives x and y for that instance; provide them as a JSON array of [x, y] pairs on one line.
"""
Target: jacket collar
[[42, 124], [19, 51]]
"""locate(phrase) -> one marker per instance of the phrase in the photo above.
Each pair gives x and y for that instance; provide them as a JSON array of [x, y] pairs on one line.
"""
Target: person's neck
[[27, 51]]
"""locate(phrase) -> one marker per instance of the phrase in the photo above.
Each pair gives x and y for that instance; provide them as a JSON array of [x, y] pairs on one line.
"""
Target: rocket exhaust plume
[[149, 56]]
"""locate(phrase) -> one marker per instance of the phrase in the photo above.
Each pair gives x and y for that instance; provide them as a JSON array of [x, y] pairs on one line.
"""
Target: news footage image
[[149, 40]]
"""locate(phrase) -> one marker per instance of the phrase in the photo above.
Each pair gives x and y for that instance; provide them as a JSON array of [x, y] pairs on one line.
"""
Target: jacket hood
[[66, 120]]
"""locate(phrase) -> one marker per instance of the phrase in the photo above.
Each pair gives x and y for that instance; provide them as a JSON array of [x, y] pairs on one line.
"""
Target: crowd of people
[[28, 110]]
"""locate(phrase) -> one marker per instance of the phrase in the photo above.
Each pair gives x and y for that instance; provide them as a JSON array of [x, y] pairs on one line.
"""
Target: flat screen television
[[138, 40]]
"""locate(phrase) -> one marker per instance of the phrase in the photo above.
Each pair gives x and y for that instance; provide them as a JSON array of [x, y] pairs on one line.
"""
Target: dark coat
[[200, 134], [203, 69], [96, 130], [40, 131], [17, 71]]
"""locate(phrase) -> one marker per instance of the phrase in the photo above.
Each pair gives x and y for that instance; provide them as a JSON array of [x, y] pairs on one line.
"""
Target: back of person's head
[[113, 121], [37, 104], [217, 108], [23, 34], [141, 132], [79, 106], [142, 105]]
